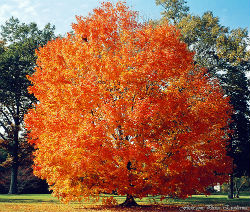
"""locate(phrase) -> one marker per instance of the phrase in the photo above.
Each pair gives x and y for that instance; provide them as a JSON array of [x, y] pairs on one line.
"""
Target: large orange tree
[[123, 108]]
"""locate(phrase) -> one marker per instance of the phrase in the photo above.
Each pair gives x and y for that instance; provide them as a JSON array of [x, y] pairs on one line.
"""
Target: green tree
[[224, 53], [174, 10], [17, 60]]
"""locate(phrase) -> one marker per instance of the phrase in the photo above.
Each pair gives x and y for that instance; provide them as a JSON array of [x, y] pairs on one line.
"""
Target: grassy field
[[47, 203]]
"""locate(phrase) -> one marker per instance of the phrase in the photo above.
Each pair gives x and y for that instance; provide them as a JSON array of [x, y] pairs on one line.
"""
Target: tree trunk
[[14, 169], [237, 195], [129, 202], [231, 187], [13, 179]]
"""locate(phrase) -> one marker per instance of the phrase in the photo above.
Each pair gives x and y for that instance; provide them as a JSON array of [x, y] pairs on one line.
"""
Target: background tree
[[17, 60], [242, 183], [224, 53], [174, 10], [125, 110]]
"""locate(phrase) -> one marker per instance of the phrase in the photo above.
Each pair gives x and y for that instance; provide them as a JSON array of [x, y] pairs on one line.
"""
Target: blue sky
[[61, 13]]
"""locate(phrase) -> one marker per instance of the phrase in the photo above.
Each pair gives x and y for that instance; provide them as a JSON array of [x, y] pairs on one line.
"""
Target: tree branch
[[4, 127], [1, 135], [5, 115], [10, 111]]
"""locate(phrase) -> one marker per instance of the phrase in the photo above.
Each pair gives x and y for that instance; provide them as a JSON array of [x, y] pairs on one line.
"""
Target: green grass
[[196, 199], [212, 200], [27, 198], [45, 202]]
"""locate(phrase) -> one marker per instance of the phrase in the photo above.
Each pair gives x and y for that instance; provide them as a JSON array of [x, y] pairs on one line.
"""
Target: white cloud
[[60, 13], [4, 11], [21, 9], [22, 4]]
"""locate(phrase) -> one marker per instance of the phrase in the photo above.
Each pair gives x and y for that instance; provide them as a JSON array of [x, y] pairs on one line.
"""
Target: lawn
[[47, 203]]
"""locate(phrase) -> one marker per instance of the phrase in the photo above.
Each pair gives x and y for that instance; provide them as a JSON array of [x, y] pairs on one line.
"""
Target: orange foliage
[[123, 108]]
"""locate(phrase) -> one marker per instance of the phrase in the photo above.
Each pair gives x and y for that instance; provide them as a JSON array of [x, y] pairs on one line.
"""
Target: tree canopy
[[123, 108]]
